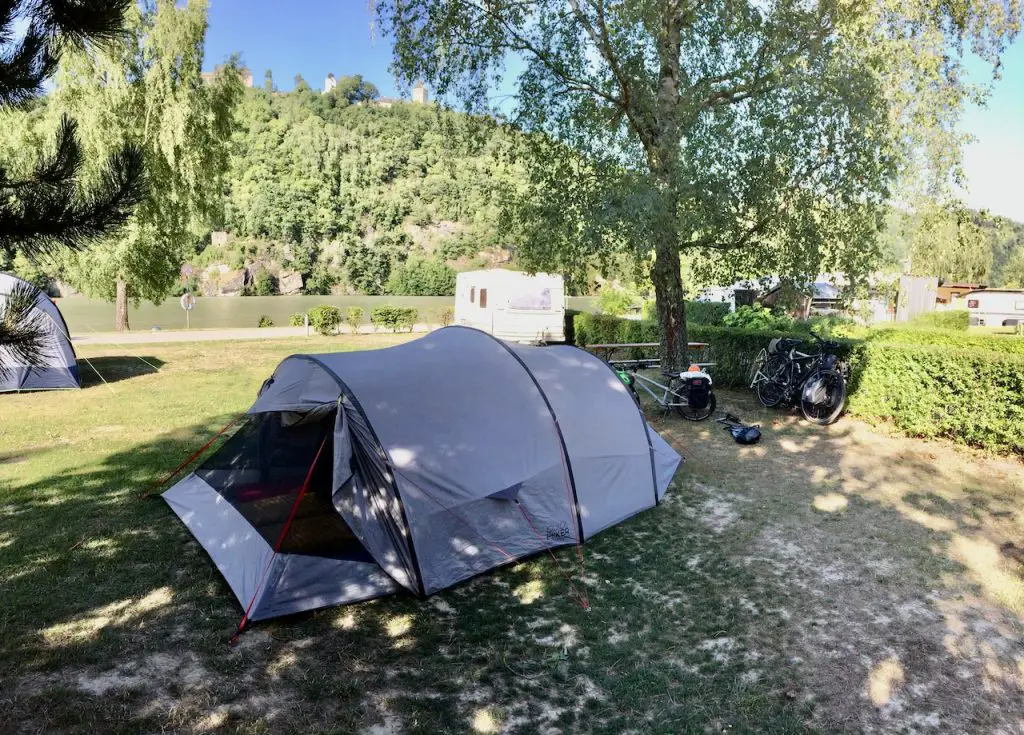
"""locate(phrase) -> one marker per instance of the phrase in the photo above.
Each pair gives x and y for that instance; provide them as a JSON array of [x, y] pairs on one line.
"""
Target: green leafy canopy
[[755, 137]]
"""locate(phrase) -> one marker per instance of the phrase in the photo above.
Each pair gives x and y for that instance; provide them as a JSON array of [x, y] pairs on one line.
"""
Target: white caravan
[[513, 306], [995, 307]]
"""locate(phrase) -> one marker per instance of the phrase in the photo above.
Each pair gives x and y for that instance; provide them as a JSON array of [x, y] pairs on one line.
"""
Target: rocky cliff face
[[220, 280]]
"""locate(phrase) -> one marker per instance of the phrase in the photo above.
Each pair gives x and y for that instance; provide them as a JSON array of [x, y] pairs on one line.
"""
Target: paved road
[[204, 335]]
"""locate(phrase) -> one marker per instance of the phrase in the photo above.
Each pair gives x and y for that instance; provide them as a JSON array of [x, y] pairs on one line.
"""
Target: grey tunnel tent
[[60, 368], [423, 464]]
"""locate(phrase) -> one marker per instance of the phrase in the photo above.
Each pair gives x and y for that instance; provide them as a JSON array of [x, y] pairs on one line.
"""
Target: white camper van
[[513, 306], [995, 307]]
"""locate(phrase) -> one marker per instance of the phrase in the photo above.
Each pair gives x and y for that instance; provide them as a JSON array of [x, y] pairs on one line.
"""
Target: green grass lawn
[[825, 580]]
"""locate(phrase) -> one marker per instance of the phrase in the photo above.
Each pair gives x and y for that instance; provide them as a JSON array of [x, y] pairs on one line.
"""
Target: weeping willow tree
[[739, 136], [43, 207], [147, 91]]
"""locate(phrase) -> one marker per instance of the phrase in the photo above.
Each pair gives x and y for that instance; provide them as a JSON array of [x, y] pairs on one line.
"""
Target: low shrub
[[706, 312], [407, 318], [263, 284], [616, 301], [354, 318], [266, 321], [697, 312], [325, 318], [446, 316], [394, 317], [757, 317], [297, 320], [955, 320]]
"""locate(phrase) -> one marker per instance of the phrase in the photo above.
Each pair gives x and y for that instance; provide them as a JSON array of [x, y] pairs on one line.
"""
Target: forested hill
[[359, 196]]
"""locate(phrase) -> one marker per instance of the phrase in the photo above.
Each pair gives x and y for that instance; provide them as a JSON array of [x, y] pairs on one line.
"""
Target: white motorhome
[[995, 307], [513, 306]]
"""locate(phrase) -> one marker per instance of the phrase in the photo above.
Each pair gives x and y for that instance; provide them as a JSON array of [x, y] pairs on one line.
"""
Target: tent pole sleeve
[[554, 419], [643, 421]]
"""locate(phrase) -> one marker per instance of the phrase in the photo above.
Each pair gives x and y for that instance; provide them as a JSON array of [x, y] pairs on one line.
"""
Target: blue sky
[[314, 37]]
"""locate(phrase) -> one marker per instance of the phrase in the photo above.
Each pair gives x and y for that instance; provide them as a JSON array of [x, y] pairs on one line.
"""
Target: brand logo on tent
[[558, 532]]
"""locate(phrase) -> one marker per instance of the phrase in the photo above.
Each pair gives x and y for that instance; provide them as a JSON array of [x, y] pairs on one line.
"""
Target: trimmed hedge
[[970, 396], [956, 387], [945, 338]]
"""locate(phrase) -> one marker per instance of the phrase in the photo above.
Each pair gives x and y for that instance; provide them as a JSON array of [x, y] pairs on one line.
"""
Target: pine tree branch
[[22, 333], [41, 219], [24, 67], [54, 26], [83, 21]]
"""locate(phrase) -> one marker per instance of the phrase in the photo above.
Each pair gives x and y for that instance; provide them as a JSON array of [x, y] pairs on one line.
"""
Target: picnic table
[[605, 352]]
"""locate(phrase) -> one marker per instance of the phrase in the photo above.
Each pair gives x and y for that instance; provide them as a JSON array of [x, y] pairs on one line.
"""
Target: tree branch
[[601, 38], [759, 226]]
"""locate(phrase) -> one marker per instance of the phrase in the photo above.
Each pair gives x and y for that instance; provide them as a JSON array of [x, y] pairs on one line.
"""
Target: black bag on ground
[[742, 433]]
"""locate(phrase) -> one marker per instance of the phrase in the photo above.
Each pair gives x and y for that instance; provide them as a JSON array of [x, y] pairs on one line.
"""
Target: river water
[[221, 312]]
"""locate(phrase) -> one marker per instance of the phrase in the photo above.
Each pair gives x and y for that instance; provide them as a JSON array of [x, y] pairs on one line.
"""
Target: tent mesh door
[[260, 471]]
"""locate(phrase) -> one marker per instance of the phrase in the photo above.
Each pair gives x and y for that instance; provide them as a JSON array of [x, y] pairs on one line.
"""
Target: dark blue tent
[[60, 369]]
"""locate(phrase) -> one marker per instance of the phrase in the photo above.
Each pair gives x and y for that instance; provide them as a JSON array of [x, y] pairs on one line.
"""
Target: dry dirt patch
[[891, 560]]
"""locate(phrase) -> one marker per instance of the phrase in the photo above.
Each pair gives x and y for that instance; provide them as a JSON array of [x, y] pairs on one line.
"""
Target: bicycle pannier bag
[[814, 391], [698, 387]]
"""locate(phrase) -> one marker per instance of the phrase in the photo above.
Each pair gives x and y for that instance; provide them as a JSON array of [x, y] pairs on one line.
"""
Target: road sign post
[[188, 303]]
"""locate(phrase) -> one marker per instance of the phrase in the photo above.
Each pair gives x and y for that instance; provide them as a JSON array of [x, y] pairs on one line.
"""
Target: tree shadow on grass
[[114, 369], [115, 619]]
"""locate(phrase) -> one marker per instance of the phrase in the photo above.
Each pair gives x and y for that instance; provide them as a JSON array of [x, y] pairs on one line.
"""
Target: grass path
[[826, 580]]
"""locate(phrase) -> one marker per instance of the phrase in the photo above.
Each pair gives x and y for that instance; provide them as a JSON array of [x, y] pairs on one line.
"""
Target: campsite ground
[[825, 580]]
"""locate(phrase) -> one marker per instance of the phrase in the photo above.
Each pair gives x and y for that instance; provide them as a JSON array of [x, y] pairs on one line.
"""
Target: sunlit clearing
[[788, 445], [398, 625], [103, 547], [402, 457], [6, 539], [346, 621], [830, 503], [282, 663], [885, 677], [985, 566], [529, 592], [403, 644], [934, 522], [212, 721], [484, 721], [117, 613]]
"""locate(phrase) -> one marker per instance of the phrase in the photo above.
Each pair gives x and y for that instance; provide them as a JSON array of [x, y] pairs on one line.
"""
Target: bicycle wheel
[[833, 399], [772, 388], [757, 367]]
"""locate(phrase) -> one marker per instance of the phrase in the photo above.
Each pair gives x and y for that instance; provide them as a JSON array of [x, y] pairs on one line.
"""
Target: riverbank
[[211, 335], [86, 316]]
